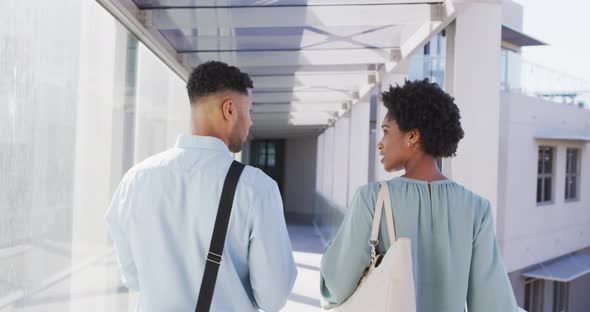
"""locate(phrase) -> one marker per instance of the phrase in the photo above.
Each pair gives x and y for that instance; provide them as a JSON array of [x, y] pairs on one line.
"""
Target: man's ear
[[228, 109]]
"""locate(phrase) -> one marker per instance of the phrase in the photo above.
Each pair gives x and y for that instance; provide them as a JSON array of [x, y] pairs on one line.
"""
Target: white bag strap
[[376, 218], [383, 199], [388, 212]]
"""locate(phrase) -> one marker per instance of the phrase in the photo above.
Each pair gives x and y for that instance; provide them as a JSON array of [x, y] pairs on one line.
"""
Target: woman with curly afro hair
[[455, 256]]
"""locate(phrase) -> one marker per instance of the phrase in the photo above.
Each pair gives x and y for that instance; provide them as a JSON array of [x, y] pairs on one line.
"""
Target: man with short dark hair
[[162, 215]]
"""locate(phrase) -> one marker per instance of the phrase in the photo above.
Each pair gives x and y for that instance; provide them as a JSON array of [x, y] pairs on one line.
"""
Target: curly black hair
[[213, 76], [424, 106]]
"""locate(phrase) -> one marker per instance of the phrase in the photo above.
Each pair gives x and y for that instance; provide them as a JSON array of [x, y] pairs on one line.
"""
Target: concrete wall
[[518, 287], [512, 13], [343, 166], [579, 301], [300, 179], [532, 233]]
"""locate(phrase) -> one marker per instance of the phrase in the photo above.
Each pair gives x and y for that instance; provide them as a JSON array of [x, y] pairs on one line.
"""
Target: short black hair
[[423, 105], [213, 76]]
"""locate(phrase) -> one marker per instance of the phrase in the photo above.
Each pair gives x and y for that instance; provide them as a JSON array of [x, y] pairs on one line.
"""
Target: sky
[[565, 26]]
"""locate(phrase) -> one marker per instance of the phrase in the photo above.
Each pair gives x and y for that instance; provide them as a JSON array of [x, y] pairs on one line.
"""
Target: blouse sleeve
[[489, 288], [349, 253]]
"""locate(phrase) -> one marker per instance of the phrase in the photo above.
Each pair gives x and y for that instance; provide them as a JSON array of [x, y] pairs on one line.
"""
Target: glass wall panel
[[82, 101]]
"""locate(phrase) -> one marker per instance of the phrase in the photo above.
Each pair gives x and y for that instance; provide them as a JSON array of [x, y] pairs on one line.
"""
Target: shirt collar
[[197, 141]]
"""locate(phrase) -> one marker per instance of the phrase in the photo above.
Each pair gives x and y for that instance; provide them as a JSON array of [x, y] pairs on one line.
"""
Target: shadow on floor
[[305, 238], [305, 300]]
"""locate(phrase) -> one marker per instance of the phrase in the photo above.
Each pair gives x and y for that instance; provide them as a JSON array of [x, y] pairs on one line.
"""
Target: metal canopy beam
[[296, 58], [308, 97], [343, 80], [168, 4], [280, 16]]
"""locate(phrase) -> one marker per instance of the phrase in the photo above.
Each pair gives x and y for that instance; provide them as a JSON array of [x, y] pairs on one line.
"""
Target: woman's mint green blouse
[[454, 250]]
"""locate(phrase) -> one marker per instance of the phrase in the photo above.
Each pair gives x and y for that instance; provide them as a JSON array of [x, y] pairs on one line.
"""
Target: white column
[[340, 159], [319, 181], [358, 163], [474, 82], [324, 179], [328, 180], [447, 163]]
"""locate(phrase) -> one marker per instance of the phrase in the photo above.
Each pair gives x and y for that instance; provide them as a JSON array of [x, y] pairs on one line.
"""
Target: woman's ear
[[415, 136]]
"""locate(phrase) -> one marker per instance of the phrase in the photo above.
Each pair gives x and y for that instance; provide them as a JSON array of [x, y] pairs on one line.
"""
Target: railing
[[518, 75]]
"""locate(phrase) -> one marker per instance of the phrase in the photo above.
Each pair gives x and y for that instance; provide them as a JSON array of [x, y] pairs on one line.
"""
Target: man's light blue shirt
[[161, 219]]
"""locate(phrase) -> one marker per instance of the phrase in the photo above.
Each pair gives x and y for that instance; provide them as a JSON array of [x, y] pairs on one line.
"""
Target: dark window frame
[[545, 174], [572, 173]]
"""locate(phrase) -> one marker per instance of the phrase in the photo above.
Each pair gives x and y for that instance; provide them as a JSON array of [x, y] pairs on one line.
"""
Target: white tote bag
[[389, 285]]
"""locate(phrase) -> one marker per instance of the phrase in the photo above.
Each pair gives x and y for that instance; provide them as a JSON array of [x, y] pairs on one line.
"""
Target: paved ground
[[96, 287], [308, 249]]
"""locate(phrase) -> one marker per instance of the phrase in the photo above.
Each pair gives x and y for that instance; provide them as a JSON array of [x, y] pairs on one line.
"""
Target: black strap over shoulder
[[218, 238]]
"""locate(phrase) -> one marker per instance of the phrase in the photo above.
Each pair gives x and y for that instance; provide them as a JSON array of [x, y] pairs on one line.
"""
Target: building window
[[572, 174], [560, 297], [533, 295], [269, 156], [545, 174], [427, 49]]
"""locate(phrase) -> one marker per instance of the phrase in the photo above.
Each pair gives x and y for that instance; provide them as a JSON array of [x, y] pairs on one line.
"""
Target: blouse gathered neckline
[[445, 181]]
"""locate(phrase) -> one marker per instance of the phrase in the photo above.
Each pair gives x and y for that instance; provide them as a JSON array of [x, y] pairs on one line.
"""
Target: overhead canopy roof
[[518, 38], [562, 134], [565, 269], [310, 59]]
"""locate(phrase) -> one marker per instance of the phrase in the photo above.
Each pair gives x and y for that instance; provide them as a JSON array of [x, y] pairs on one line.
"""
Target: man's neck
[[205, 130]]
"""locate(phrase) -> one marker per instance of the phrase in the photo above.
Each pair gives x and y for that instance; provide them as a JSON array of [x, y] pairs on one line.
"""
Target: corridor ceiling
[[310, 60]]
